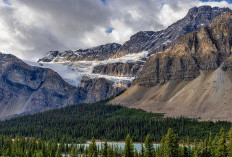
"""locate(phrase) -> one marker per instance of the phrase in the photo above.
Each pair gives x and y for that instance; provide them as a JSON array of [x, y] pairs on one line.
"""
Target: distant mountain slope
[[192, 78], [29, 89]]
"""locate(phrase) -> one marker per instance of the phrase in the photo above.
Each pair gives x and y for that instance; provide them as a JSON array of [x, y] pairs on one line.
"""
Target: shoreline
[[119, 142]]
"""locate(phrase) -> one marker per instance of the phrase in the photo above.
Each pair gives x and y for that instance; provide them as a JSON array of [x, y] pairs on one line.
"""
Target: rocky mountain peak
[[101, 52], [154, 42], [205, 49]]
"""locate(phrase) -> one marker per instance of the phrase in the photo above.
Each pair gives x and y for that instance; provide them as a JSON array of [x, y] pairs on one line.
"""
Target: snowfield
[[73, 72]]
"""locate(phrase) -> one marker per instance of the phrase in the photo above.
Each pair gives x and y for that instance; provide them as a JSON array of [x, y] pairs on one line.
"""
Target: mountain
[[191, 78], [122, 63], [101, 72], [25, 88], [30, 89], [154, 42], [150, 41]]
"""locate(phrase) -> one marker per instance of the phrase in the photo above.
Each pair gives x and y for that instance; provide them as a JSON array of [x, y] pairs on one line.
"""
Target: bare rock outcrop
[[119, 69], [101, 52]]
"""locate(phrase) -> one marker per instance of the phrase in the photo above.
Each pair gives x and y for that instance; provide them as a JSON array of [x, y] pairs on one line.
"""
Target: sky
[[31, 28]]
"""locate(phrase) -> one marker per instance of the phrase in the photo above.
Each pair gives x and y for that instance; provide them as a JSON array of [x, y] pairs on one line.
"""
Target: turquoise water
[[121, 145]]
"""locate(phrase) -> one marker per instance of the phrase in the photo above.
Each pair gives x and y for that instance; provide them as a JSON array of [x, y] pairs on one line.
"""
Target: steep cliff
[[93, 90], [205, 49], [192, 78], [119, 69]]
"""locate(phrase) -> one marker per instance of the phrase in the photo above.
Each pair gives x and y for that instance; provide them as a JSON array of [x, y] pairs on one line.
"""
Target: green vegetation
[[169, 147], [84, 121], [129, 148], [148, 146]]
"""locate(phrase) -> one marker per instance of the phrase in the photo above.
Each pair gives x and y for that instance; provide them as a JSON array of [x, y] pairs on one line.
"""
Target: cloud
[[31, 28]]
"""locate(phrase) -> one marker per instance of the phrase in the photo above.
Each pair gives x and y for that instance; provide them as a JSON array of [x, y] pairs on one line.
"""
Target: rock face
[[159, 41], [119, 69], [205, 49], [28, 89], [192, 78], [101, 52], [93, 90]]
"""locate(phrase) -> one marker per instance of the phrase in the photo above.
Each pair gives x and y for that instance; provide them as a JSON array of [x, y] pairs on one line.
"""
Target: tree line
[[170, 146], [84, 121]]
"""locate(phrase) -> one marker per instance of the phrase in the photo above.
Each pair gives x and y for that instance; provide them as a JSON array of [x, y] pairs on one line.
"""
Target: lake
[[121, 145]]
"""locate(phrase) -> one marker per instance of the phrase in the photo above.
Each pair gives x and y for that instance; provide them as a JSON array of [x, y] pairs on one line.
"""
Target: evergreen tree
[[58, 153], [66, 148], [92, 151], [188, 147], [221, 150], [116, 152], [142, 150], [129, 148], [229, 144], [110, 151], [62, 146], [184, 152], [73, 152], [148, 146], [136, 154], [104, 152], [210, 143], [195, 149], [38, 154], [214, 145], [171, 146]]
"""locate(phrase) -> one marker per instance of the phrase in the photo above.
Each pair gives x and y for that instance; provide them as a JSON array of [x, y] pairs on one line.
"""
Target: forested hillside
[[105, 122]]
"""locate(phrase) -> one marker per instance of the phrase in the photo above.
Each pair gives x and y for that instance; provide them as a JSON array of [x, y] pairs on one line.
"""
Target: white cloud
[[31, 28]]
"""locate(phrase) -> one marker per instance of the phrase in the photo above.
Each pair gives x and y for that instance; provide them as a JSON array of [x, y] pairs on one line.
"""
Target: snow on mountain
[[73, 72]]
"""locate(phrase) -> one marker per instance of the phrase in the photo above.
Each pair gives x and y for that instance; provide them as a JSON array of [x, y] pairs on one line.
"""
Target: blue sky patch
[[104, 2], [6, 2], [109, 30], [229, 1]]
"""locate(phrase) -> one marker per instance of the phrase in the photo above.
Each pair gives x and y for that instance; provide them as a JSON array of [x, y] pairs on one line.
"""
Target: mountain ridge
[[191, 78]]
